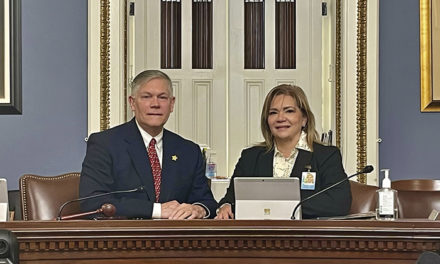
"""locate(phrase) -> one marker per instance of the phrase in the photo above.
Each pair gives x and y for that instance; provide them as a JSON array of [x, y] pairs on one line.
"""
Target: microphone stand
[[59, 217], [367, 169]]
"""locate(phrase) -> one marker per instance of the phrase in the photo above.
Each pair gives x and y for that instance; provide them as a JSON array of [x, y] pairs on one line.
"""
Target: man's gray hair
[[147, 76]]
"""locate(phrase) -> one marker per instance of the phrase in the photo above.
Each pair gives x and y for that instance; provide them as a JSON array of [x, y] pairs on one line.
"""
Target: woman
[[290, 147]]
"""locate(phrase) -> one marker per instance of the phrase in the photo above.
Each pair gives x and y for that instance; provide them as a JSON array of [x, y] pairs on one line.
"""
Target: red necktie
[[155, 167]]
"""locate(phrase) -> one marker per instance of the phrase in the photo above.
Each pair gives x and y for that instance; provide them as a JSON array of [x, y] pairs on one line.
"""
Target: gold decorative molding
[[105, 65], [338, 72], [427, 102], [361, 88], [125, 77]]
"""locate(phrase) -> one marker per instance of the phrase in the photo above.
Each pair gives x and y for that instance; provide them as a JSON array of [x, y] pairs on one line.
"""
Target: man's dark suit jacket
[[325, 161], [117, 159]]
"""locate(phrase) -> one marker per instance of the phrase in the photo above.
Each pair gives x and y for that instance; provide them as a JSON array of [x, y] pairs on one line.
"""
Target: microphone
[[60, 210], [367, 169]]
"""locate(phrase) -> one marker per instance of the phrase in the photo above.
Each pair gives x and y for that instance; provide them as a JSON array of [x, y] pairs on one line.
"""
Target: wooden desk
[[226, 242]]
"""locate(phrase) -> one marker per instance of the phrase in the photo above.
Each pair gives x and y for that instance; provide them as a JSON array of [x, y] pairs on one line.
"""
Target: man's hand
[[225, 212], [168, 208], [188, 211]]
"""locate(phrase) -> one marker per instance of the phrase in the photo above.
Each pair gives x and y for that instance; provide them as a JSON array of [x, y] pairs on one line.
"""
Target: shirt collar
[[302, 144], [147, 137]]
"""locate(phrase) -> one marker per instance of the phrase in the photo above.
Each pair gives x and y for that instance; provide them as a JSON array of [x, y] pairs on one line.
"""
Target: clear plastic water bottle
[[211, 169]]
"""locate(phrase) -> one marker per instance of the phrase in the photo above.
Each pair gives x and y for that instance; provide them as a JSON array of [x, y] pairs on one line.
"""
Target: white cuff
[[157, 211], [206, 209]]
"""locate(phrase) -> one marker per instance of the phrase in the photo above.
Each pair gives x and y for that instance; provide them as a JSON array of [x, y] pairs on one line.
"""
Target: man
[[142, 153]]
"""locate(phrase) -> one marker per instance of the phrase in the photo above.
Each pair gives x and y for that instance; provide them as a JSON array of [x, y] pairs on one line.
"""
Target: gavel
[[107, 209]]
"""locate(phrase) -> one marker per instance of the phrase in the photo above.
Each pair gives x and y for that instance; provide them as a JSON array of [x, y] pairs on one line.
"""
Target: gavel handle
[[74, 216], [106, 209]]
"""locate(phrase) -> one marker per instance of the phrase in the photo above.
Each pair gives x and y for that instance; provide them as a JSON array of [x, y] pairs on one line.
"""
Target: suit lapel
[[264, 166], [169, 166], [139, 156], [304, 158]]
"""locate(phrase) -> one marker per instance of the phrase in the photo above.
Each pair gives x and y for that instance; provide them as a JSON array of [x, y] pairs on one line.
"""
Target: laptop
[[266, 198], [4, 206]]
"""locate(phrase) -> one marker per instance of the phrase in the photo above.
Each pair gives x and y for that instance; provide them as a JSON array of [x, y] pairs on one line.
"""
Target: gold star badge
[[174, 157]]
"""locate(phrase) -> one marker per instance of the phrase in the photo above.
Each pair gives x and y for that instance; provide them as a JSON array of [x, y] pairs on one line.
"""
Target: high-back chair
[[416, 185], [417, 197], [41, 197], [363, 197]]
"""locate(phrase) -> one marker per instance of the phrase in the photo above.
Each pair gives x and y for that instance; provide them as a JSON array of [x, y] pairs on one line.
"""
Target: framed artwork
[[10, 57], [430, 55]]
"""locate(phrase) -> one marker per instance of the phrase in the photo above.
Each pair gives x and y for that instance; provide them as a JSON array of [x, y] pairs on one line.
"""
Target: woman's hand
[[225, 212]]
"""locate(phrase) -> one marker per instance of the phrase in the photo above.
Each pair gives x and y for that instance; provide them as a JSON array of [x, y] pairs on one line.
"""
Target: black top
[[326, 161]]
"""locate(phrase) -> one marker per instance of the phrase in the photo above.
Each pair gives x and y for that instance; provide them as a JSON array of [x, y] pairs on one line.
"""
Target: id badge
[[308, 180]]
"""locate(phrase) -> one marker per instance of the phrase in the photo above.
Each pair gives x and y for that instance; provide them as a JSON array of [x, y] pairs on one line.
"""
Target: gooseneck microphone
[[367, 169], [137, 189]]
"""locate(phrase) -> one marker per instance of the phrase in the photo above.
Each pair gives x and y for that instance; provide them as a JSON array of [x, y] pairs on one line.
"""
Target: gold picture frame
[[429, 55]]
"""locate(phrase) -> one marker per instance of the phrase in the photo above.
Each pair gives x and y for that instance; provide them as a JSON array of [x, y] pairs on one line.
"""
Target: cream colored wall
[[349, 147], [93, 66], [116, 66]]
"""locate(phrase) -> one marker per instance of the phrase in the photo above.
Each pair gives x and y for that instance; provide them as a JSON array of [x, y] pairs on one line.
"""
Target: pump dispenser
[[386, 199]]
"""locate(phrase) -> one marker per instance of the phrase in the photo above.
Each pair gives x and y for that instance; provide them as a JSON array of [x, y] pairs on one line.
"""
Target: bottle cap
[[386, 183]]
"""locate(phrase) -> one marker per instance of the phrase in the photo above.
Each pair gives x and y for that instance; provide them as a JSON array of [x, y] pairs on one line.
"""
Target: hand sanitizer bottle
[[386, 200]]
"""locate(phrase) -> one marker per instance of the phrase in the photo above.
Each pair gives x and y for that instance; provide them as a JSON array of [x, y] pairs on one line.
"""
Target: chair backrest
[[416, 185], [41, 197], [417, 204], [417, 197], [363, 197]]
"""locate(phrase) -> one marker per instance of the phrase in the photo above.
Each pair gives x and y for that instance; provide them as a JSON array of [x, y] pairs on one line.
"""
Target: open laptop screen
[[266, 197]]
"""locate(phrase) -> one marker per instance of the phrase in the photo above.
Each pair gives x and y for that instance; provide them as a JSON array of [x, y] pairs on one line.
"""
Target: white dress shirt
[[157, 207], [282, 167]]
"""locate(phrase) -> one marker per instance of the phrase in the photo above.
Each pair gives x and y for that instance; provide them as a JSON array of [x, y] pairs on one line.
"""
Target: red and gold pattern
[[155, 167]]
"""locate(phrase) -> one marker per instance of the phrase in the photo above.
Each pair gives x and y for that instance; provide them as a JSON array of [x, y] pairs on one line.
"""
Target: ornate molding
[[361, 88], [125, 48], [202, 110], [255, 93], [125, 241], [338, 73], [105, 65], [242, 243]]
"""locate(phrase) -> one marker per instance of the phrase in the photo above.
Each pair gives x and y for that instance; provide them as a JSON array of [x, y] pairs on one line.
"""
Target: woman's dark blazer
[[326, 161]]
